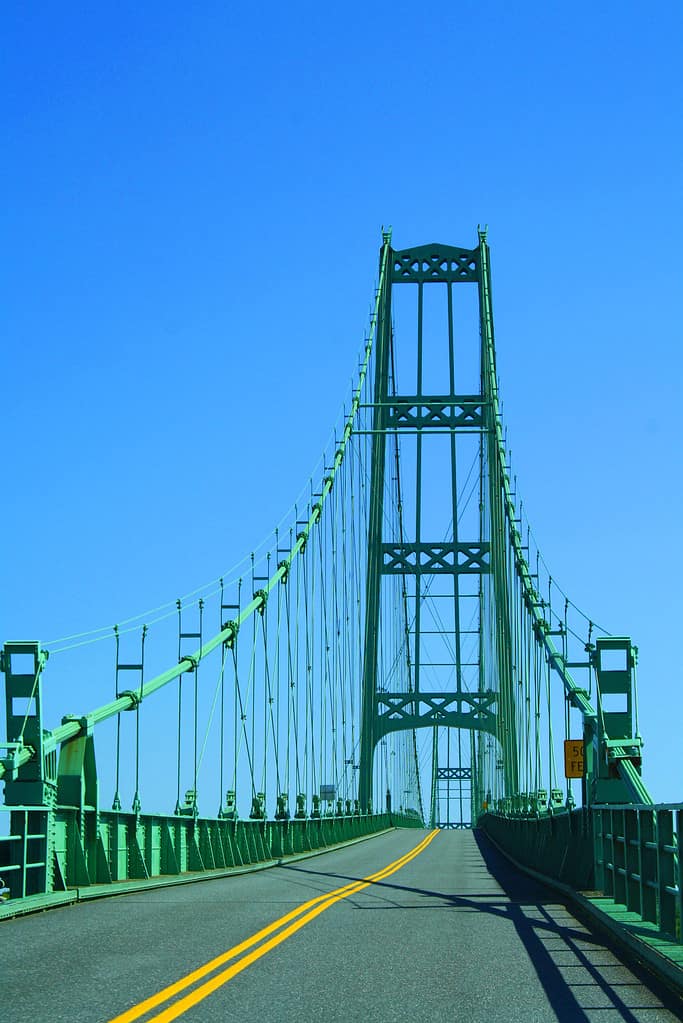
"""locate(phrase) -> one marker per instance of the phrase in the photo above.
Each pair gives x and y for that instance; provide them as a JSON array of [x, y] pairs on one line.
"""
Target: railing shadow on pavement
[[538, 915]]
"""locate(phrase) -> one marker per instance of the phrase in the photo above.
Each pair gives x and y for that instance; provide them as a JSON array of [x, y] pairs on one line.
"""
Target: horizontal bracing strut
[[435, 558], [453, 773], [435, 263], [397, 711], [421, 411]]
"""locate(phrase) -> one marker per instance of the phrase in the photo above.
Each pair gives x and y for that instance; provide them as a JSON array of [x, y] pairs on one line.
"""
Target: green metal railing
[[637, 861], [100, 852], [559, 845], [628, 853]]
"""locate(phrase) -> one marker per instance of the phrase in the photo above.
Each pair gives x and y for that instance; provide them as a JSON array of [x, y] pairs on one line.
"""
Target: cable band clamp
[[234, 629], [135, 698]]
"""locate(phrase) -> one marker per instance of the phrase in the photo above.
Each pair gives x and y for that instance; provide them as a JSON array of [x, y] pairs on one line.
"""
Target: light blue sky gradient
[[193, 201]]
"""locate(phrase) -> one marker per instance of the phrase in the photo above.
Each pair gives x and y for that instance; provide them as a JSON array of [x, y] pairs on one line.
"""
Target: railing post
[[678, 878], [618, 829], [648, 864], [607, 844], [667, 872], [633, 878]]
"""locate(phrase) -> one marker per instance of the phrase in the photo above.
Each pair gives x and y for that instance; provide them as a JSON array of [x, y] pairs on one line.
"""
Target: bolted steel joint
[[234, 627], [134, 697], [282, 812], [257, 807], [85, 723]]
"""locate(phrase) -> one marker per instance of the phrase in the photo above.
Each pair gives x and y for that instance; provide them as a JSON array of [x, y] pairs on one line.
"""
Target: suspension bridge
[[397, 750]]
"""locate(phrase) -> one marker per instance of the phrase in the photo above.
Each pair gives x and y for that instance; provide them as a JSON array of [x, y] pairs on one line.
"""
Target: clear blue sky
[[193, 198]]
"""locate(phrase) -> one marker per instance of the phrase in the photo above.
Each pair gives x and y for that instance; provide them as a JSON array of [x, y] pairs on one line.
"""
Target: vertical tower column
[[499, 596], [372, 607]]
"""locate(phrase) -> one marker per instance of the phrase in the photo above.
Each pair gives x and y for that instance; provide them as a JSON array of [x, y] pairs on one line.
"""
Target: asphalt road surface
[[446, 931]]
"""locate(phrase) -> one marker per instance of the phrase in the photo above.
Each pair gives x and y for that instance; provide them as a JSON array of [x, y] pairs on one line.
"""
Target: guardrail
[[559, 845], [628, 853], [637, 861], [57, 851]]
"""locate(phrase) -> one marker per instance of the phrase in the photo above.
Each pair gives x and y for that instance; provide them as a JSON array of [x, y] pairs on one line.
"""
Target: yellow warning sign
[[574, 766]]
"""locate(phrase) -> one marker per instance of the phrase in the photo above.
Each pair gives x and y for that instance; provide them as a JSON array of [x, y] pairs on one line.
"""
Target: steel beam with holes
[[397, 711], [451, 411], [435, 558]]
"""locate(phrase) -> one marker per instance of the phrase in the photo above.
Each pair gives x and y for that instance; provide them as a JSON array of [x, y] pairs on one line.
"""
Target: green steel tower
[[473, 562]]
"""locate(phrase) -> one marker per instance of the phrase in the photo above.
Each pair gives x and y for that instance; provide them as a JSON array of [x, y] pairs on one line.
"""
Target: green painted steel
[[559, 845], [637, 861], [60, 839], [613, 758], [629, 854], [497, 556], [452, 786], [501, 655], [63, 849], [19, 751], [434, 798], [386, 711]]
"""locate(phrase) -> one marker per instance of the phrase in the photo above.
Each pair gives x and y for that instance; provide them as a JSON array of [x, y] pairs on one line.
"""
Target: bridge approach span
[[447, 930]]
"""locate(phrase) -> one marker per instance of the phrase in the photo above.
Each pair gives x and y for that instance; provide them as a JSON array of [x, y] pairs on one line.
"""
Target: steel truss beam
[[436, 263], [453, 773], [435, 558], [397, 711], [449, 411]]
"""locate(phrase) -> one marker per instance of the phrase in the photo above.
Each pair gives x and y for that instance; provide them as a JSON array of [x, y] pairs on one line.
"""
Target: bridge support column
[[375, 557], [612, 750]]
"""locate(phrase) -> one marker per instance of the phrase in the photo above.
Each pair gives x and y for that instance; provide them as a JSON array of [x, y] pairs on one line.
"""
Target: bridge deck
[[455, 933]]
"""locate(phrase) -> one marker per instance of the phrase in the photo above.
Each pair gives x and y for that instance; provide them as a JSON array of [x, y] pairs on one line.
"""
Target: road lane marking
[[302, 915]]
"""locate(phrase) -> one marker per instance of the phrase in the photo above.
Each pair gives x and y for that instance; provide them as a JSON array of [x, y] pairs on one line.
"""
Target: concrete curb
[[36, 904], [663, 966]]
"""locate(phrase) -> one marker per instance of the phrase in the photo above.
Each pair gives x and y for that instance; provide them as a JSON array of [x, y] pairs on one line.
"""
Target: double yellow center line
[[280, 929]]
